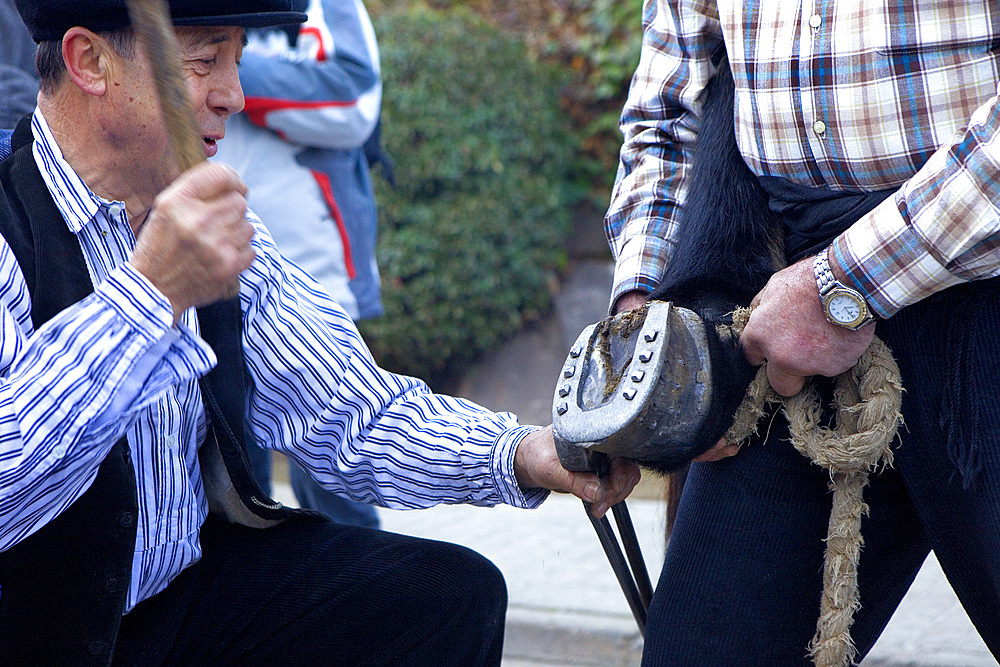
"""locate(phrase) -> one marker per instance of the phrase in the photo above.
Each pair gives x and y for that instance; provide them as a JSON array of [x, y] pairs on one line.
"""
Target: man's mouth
[[211, 146]]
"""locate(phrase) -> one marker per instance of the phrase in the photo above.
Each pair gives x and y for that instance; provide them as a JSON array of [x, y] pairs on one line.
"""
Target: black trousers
[[306, 593], [742, 577]]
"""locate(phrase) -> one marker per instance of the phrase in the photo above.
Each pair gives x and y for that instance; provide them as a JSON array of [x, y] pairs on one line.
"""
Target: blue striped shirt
[[114, 365]]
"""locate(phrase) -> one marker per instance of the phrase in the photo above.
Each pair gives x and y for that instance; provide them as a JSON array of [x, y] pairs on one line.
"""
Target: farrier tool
[[154, 29]]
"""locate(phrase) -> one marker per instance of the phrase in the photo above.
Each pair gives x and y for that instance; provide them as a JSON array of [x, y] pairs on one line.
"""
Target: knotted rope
[[867, 399]]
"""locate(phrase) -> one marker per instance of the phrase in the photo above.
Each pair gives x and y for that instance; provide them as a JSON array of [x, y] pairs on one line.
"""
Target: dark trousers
[[742, 577], [306, 593]]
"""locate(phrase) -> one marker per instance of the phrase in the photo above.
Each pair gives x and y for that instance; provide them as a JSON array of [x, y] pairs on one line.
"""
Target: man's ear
[[88, 60]]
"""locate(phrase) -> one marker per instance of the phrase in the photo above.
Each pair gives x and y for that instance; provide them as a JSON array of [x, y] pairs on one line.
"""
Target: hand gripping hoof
[[658, 384]]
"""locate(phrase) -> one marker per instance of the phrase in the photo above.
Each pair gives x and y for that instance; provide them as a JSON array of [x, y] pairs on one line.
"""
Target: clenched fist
[[789, 330], [196, 240]]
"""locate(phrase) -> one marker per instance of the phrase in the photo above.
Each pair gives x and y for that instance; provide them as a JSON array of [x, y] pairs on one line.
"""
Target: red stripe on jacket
[[257, 108], [324, 185]]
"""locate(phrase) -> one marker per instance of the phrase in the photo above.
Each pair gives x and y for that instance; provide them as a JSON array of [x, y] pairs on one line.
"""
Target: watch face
[[844, 308]]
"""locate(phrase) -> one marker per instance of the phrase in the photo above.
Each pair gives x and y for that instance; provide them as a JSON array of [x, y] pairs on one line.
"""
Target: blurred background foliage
[[596, 41], [501, 118]]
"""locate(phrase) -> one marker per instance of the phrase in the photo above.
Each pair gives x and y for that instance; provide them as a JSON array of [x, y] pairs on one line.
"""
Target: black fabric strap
[[224, 393], [813, 217]]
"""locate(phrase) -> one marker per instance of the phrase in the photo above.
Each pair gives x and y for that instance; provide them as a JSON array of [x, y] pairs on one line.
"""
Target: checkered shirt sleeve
[[660, 124]]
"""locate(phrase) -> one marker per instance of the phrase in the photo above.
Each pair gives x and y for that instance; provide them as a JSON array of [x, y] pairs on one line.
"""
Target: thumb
[[586, 486]]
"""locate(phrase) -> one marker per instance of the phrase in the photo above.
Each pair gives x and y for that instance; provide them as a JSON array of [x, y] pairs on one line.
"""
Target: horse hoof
[[658, 384]]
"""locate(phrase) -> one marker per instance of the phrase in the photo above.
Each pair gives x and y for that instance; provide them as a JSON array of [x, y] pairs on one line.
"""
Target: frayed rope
[[867, 400]]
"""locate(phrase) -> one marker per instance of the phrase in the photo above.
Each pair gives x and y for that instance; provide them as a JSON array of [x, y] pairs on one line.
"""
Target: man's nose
[[227, 98]]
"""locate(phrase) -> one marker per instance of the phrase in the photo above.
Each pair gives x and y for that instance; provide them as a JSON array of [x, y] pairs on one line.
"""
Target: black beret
[[50, 19]]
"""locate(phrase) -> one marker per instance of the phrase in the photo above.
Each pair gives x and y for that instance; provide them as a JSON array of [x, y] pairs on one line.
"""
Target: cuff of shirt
[[133, 297], [640, 266], [503, 471], [149, 313], [888, 262]]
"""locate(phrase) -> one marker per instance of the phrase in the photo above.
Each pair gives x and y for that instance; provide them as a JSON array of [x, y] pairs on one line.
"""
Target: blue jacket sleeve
[[323, 92]]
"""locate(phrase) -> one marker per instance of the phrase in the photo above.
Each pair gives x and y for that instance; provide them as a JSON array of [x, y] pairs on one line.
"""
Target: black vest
[[63, 589]]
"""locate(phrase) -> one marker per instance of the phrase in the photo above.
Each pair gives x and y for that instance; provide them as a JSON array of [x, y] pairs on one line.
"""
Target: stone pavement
[[565, 605]]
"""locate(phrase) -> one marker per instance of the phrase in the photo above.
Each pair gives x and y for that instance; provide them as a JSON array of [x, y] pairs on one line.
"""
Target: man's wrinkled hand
[[630, 301], [789, 331], [536, 465], [722, 449], [197, 240]]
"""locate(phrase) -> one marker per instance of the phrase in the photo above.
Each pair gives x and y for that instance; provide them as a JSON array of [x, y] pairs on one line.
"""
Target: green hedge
[[597, 42], [471, 235]]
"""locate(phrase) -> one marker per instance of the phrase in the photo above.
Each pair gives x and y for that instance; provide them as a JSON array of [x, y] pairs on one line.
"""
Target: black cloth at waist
[[813, 217]]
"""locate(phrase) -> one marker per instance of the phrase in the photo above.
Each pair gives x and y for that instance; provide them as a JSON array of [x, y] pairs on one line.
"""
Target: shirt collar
[[75, 201]]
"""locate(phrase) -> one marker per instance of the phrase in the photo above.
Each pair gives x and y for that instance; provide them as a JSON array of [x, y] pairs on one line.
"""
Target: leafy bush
[[471, 235], [596, 41], [602, 42]]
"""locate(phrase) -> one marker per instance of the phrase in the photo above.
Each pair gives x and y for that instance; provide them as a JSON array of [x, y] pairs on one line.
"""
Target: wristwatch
[[843, 306]]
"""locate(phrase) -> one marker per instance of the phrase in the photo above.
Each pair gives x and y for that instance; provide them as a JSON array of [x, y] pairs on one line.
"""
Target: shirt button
[[815, 21], [819, 127], [126, 519], [115, 209], [59, 451], [171, 441]]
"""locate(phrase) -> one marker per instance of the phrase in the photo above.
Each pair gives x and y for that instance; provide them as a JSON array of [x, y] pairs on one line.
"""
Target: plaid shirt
[[850, 96]]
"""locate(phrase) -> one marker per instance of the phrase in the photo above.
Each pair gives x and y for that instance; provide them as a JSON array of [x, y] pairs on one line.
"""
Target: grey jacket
[[18, 78]]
